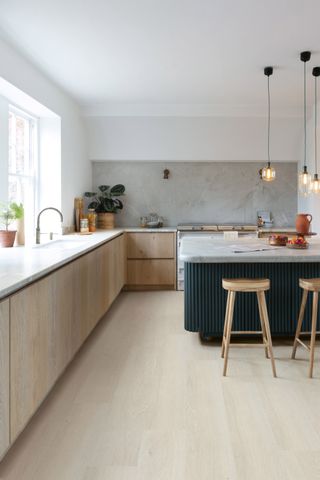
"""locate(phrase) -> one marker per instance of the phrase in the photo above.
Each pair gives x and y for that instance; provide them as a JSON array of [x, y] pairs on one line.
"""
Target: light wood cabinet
[[151, 272], [50, 319], [151, 261], [4, 377], [116, 267], [151, 245], [84, 299], [41, 342]]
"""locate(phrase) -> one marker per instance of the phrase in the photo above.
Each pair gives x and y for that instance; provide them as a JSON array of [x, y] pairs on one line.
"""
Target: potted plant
[[8, 214], [106, 204]]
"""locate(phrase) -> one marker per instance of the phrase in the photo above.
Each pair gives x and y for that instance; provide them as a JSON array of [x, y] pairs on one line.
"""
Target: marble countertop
[[275, 229], [20, 266], [210, 250], [150, 230]]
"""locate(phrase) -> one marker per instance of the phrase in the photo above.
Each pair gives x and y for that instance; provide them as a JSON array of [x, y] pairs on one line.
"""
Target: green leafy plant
[[9, 212], [106, 201]]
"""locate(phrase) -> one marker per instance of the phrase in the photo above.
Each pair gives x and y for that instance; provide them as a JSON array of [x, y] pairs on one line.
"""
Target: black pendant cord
[[268, 121], [305, 115], [315, 126]]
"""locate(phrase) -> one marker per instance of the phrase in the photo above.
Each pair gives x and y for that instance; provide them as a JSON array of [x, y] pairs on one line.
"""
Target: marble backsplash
[[200, 191]]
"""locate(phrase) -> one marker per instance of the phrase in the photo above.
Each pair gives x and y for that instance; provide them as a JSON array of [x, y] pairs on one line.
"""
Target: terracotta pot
[[105, 221], [303, 221], [7, 238]]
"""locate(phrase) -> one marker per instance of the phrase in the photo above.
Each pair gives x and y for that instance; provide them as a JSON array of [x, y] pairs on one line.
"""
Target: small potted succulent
[[8, 214], [106, 204]]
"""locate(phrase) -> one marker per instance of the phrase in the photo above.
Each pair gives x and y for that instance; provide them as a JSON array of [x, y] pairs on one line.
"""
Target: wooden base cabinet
[[50, 319], [4, 377], [151, 272], [151, 261], [151, 245], [40, 342]]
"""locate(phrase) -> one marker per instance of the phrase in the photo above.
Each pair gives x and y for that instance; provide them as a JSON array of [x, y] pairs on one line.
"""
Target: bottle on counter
[[92, 220], [78, 211]]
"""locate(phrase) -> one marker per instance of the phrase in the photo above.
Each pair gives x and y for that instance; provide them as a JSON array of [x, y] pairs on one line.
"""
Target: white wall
[[75, 167], [50, 162], [310, 204], [192, 138], [4, 134]]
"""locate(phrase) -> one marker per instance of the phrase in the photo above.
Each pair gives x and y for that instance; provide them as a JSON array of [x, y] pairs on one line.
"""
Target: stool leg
[[263, 328], [225, 325], [313, 330], [265, 318], [228, 332], [299, 324]]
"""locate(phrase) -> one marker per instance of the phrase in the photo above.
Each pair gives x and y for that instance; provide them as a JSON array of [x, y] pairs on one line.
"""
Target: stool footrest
[[309, 333], [303, 344], [247, 332], [250, 345]]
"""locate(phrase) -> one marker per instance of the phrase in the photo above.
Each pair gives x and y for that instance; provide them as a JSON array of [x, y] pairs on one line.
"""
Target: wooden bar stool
[[308, 285], [259, 286]]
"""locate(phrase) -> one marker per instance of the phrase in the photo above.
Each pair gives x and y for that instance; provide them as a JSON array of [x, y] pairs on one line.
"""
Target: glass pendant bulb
[[315, 185], [268, 173], [304, 178], [304, 182]]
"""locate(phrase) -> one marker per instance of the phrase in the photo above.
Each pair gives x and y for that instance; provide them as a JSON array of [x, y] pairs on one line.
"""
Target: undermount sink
[[62, 243]]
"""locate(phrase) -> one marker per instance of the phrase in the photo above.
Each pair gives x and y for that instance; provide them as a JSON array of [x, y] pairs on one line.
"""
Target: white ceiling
[[185, 52]]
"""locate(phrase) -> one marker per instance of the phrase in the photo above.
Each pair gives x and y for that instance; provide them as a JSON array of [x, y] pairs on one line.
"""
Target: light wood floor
[[145, 400]]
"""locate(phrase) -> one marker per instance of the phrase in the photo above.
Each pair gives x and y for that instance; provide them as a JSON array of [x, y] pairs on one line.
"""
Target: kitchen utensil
[[154, 224]]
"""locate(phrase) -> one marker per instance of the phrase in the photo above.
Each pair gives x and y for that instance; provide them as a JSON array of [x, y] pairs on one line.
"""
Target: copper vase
[[303, 221]]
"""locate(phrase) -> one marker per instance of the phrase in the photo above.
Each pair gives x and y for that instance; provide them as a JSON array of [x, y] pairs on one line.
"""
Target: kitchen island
[[207, 261]]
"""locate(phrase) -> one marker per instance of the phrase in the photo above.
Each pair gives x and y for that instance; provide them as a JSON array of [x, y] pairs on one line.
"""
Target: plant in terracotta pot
[[8, 214], [106, 204]]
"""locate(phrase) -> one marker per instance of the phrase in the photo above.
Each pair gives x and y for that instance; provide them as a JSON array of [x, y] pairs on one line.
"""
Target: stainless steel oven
[[214, 231]]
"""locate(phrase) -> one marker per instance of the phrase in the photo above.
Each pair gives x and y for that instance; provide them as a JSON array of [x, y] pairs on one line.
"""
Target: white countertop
[[210, 250], [20, 266], [150, 230], [275, 229]]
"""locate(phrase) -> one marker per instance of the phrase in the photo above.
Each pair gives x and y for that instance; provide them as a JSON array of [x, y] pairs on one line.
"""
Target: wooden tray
[[297, 247]]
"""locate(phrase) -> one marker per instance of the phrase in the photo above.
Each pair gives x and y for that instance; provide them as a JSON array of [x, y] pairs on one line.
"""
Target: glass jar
[[84, 225], [92, 218], [143, 222]]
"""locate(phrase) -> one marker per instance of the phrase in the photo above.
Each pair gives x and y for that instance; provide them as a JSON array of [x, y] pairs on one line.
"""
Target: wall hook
[[166, 174]]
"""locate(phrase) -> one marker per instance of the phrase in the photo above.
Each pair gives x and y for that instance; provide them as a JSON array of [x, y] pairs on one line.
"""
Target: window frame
[[33, 152]]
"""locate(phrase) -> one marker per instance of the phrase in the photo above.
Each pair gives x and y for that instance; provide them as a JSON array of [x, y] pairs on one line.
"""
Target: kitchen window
[[23, 164]]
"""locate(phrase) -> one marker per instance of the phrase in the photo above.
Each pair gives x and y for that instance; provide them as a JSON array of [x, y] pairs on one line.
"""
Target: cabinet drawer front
[[151, 272], [150, 245]]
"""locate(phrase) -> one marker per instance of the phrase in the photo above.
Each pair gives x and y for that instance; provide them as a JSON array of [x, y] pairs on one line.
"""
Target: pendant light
[[268, 173], [315, 184], [304, 180]]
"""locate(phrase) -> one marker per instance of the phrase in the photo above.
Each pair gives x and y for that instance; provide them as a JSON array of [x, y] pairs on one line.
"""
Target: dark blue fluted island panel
[[205, 299]]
